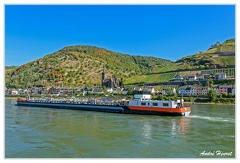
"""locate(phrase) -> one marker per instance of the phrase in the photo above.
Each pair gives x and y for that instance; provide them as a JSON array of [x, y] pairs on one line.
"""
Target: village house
[[34, 90], [69, 91], [193, 90], [136, 88], [37, 90], [66, 90], [205, 76], [20, 90], [52, 90], [148, 90], [182, 90], [199, 91], [178, 78], [12, 92], [220, 76], [220, 89], [216, 89], [205, 90], [79, 90], [233, 90], [117, 90], [201, 77], [87, 90], [125, 91], [225, 89], [61, 91], [192, 78], [26, 91], [187, 91]]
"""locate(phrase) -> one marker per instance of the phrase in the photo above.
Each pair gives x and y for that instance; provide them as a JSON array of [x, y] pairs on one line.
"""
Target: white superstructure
[[145, 100]]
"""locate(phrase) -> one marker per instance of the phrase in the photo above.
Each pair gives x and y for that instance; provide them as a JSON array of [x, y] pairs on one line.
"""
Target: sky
[[163, 31]]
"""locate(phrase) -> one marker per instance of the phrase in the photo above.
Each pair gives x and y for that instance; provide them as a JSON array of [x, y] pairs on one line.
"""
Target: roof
[[225, 86], [220, 73]]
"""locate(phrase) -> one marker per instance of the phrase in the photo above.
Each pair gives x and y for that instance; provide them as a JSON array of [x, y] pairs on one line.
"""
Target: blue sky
[[163, 31]]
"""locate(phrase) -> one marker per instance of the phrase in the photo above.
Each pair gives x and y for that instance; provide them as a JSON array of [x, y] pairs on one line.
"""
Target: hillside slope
[[217, 56], [80, 66]]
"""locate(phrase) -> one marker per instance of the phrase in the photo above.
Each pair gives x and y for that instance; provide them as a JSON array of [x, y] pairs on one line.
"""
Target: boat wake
[[215, 119]]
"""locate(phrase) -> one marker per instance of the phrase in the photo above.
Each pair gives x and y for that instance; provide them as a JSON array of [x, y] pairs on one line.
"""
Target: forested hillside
[[80, 66]]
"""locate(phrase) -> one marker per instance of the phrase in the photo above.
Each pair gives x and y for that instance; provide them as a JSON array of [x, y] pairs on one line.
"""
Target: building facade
[[220, 76]]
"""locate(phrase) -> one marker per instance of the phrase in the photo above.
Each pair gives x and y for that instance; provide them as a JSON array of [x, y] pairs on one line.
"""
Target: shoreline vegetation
[[187, 100]]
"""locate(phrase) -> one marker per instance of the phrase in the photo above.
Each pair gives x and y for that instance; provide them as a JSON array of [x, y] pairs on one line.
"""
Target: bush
[[212, 95], [225, 94]]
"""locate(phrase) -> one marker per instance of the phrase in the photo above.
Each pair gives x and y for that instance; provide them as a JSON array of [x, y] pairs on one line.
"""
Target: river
[[33, 132]]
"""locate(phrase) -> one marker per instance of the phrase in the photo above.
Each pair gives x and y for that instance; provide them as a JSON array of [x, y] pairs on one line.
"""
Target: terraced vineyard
[[152, 78], [169, 67], [230, 60]]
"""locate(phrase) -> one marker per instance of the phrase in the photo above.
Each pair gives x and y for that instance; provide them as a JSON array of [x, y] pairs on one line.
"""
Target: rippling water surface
[[34, 132]]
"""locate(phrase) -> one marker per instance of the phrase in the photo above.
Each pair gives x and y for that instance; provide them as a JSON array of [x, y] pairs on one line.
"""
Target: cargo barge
[[141, 104]]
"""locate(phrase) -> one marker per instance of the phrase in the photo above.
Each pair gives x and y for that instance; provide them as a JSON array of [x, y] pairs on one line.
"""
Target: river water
[[33, 132]]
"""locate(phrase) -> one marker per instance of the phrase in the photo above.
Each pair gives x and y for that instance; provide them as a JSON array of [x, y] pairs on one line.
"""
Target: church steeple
[[103, 75]]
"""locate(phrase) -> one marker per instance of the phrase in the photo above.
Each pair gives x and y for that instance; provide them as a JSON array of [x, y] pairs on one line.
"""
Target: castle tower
[[103, 75]]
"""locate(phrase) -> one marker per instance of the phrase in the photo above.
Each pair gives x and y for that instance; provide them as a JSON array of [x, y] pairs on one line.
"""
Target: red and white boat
[[141, 104]]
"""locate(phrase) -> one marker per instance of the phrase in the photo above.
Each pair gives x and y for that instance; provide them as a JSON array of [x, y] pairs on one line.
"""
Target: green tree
[[75, 92], [199, 84], [169, 92], [105, 89], [212, 95], [209, 83], [224, 94]]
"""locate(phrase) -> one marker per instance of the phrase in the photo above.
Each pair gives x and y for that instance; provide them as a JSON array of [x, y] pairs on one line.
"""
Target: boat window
[[155, 104], [143, 103], [165, 104]]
